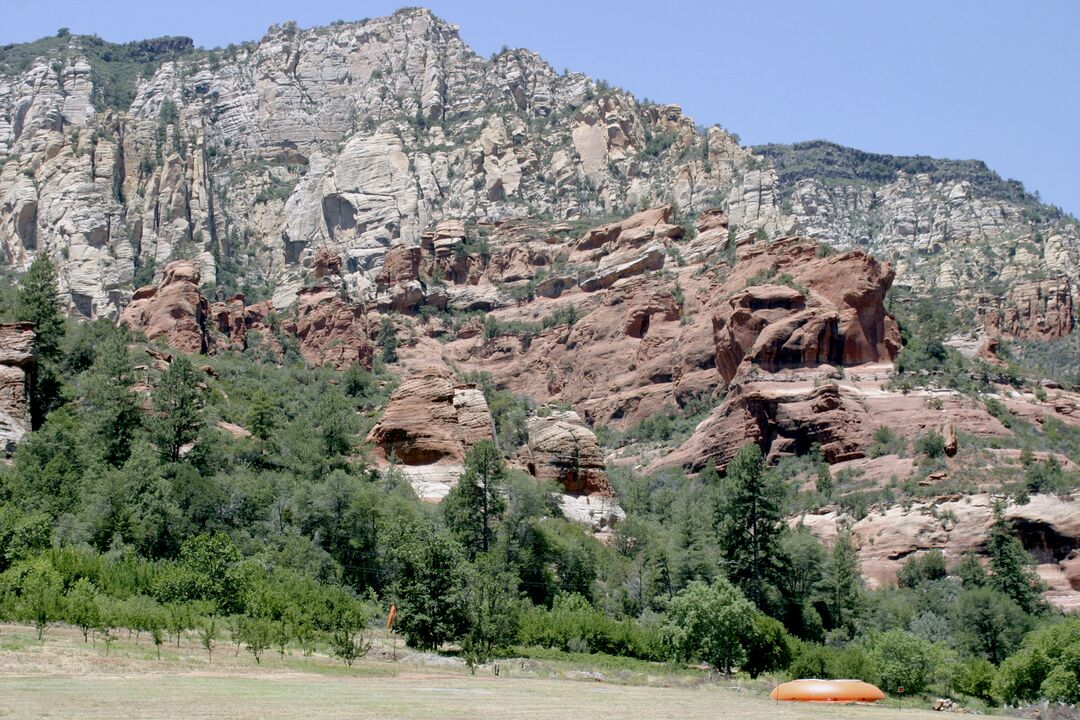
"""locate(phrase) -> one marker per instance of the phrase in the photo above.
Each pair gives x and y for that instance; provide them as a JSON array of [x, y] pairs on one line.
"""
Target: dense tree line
[[131, 505]]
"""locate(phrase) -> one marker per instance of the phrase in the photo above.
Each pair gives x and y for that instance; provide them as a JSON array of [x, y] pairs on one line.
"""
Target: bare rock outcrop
[[1040, 310], [562, 448], [1047, 525], [427, 427], [331, 330], [17, 358], [831, 310], [173, 311]]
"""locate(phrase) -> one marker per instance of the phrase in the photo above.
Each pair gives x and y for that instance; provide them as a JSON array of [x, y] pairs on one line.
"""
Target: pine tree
[[113, 411], [1010, 567], [841, 587], [750, 524], [37, 303], [177, 408], [262, 416], [476, 502]]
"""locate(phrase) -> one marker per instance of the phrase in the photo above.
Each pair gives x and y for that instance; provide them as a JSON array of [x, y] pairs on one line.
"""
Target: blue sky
[[995, 80]]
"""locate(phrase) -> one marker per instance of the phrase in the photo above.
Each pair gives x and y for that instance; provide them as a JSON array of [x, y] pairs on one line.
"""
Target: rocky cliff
[[17, 359], [360, 135]]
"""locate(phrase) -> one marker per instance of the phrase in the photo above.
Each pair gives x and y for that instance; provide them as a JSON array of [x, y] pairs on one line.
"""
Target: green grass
[[65, 677]]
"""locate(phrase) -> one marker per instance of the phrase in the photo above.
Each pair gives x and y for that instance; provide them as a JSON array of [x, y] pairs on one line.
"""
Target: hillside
[[351, 317]]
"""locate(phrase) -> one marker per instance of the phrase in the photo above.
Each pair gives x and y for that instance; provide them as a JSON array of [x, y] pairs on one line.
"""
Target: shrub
[[902, 660], [932, 444]]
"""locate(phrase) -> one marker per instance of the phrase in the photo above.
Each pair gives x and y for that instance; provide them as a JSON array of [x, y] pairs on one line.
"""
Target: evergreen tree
[[37, 303], [262, 416], [1010, 567], [750, 524], [840, 588], [113, 411], [178, 412], [475, 503]]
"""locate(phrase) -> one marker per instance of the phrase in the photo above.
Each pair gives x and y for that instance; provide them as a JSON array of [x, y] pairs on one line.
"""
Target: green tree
[[37, 303], [387, 340], [902, 661], [347, 638], [768, 646], [1011, 567], [751, 524], [1041, 668], [712, 623], [112, 409], [428, 588], [491, 601], [335, 417], [262, 416], [208, 635], [840, 588], [803, 557], [473, 506], [178, 410], [257, 634], [923, 568], [988, 623], [81, 605], [41, 596]]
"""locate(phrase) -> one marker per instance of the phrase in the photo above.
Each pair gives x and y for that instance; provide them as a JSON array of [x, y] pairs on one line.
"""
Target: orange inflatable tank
[[827, 691]]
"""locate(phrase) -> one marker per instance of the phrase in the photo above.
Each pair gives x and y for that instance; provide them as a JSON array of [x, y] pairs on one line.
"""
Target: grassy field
[[65, 678]]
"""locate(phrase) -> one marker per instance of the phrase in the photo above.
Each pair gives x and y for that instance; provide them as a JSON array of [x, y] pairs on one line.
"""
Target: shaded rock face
[[330, 329], [173, 311], [1048, 526], [17, 359], [1031, 311], [831, 312], [563, 449], [427, 427]]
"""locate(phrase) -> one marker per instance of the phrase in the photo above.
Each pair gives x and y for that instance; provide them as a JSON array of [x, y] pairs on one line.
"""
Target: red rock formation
[[1039, 310], [431, 419], [229, 320], [331, 330], [831, 311], [325, 263], [563, 449], [633, 231], [17, 357], [173, 311], [401, 264]]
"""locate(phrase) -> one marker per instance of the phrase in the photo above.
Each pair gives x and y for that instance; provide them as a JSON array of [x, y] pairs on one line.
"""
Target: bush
[[932, 444], [573, 625], [902, 660], [886, 442], [975, 677], [997, 409]]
